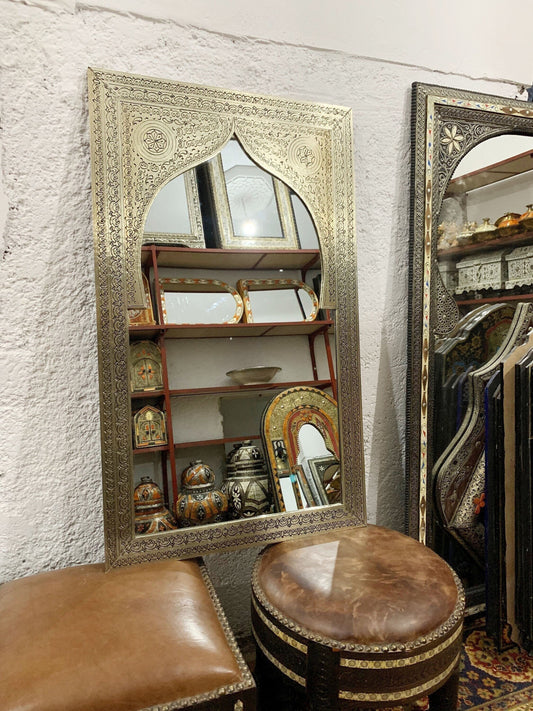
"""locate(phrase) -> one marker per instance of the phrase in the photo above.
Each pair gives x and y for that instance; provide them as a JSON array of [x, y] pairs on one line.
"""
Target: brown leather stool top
[[145, 637], [371, 596]]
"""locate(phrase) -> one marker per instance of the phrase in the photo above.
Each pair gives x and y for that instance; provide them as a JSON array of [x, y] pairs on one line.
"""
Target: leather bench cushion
[[366, 585], [85, 640]]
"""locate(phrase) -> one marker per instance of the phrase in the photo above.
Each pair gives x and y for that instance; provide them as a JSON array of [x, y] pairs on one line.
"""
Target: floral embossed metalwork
[[144, 132], [452, 139]]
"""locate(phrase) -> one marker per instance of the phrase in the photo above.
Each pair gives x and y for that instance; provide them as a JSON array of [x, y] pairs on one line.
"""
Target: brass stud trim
[[396, 663], [272, 627], [404, 694], [285, 670]]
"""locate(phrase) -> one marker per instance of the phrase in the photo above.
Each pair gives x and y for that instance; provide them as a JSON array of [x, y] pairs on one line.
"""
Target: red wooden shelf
[[250, 259], [320, 384], [519, 240], [214, 442], [155, 257], [508, 168], [495, 299], [233, 330], [147, 393], [144, 450], [147, 331]]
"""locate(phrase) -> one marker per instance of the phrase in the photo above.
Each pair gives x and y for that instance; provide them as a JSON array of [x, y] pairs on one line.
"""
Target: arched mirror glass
[[471, 314], [237, 222]]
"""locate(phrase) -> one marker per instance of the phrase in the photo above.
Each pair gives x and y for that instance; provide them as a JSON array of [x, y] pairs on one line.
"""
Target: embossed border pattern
[[144, 131]]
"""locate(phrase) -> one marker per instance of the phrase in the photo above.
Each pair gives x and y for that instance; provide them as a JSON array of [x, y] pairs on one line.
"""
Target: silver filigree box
[[519, 267], [482, 271]]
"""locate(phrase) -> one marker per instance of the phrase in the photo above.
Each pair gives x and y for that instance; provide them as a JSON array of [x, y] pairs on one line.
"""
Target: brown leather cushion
[[367, 585], [84, 640]]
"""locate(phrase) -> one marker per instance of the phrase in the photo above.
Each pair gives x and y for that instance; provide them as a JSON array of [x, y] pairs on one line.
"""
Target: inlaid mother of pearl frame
[[446, 124], [144, 132]]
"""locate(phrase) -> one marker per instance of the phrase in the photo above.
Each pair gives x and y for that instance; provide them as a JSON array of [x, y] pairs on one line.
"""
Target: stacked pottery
[[508, 224], [526, 220], [199, 502], [151, 514], [465, 236], [485, 231], [247, 482]]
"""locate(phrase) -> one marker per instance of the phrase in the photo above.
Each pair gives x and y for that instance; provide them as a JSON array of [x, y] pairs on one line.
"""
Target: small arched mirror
[[217, 188], [301, 441]]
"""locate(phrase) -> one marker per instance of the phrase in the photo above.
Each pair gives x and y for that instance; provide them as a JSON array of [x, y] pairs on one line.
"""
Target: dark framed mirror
[[471, 282], [145, 134]]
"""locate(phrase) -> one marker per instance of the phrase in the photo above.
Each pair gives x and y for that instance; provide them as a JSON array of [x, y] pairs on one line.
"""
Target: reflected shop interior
[[244, 423], [473, 502]]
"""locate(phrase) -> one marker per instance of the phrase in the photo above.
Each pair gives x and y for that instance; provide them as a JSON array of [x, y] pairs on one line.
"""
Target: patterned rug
[[492, 680]]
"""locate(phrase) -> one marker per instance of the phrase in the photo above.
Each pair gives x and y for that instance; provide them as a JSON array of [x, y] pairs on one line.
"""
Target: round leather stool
[[359, 618]]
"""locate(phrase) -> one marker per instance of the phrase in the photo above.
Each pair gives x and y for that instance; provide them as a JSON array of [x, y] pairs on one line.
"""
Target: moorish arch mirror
[[195, 187], [470, 314]]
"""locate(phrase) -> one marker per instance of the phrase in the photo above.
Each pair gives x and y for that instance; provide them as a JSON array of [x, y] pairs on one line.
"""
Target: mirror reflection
[[174, 216], [300, 436], [252, 207], [196, 301], [485, 259], [281, 305], [320, 466], [216, 466], [217, 378], [170, 211], [484, 253], [251, 196], [199, 308]]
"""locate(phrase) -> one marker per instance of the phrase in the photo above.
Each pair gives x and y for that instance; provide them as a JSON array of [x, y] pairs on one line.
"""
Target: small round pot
[[485, 232], [199, 502], [247, 484], [508, 224], [197, 474], [466, 235], [526, 220], [199, 505], [151, 514], [248, 495]]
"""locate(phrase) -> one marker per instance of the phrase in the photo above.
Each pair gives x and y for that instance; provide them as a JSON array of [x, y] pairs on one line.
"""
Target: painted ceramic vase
[[526, 220], [508, 224], [247, 484], [199, 501], [151, 514]]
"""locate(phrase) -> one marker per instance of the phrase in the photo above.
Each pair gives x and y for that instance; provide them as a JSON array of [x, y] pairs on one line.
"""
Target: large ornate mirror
[[470, 314], [196, 187]]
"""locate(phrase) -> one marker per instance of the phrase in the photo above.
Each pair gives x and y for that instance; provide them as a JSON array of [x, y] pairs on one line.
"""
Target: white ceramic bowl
[[253, 376]]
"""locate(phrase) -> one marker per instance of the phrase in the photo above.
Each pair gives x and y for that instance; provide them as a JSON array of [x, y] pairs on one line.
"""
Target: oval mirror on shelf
[[275, 300], [471, 294], [262, 192], [195, 301]]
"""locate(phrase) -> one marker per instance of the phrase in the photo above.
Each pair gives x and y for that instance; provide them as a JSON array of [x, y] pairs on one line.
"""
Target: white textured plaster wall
[[475, 38], [50, 508]]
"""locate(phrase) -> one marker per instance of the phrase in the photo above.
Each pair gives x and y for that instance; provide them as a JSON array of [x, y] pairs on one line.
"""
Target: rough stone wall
[[50, 506]]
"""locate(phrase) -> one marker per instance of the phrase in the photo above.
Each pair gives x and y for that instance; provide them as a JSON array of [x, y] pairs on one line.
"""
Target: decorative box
[[149, 428], [481, 271], [519, 267]]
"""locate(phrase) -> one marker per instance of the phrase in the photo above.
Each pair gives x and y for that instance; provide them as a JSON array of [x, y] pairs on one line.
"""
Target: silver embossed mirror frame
[[446, 124], [145, 131]]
